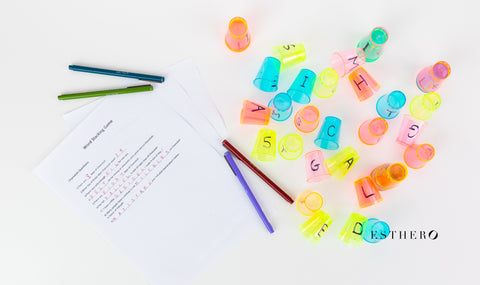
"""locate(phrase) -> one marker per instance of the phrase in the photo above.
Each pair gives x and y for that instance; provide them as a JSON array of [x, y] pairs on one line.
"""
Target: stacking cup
[[374, 43], [430, 78], [309, 202], [289, 55], [353, 230], [346, 61], [302, 86], [423, 106], [340, 164], [389, 105], [367, 192], [281, 106], [314, 228], [315, 167], [264, 149], [375, 230], [237, 37], [372, 131], [410, 130], [267, 76], [363, 83], [290, 147], [416, 156], [329, 133], [254, 114], [388, 175], [326, 83], [307, 118]]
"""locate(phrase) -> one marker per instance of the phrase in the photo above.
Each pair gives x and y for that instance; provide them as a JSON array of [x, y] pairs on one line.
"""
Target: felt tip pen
[[132, 89], [250, 195], [257, 171], [138, 76]]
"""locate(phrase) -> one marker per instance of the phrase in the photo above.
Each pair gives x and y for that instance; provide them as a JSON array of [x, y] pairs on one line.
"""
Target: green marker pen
[[132, 89]]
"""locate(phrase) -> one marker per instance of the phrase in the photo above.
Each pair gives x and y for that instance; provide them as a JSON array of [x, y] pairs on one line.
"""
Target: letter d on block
[[353, 229]]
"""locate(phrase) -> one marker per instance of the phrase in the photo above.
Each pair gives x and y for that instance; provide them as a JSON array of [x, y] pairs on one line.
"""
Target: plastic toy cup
[[372, 131], [339, 164], [267, 76], [387, 176], [326, 83], [346, 61], [410, 130], [367, 193], [389, 105], [314, 228], [264, 149], [423, 106], [306, 119], [315, 167], [416, 156], [309, 202], [281, 106], [363, 84], [254, 114], [290, 147], [353, 230], [302, 86], [375, 230], [374, 43], [289, 55], [329, 133], [237, 37], [430, 78]]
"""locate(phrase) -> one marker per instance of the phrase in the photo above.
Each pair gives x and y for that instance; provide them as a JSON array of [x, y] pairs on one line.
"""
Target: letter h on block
[[363, 84]]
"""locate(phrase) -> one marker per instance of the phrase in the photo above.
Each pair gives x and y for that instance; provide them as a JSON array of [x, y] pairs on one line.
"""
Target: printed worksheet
[[150, 185]]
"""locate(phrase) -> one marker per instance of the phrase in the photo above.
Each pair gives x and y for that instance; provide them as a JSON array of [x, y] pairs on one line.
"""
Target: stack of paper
[[145, 170]]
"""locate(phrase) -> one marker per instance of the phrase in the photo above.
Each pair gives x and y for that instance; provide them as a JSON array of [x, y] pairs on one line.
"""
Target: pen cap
[[367, 192], [289, 55], [290, 147], [314, 228], [430, 78], [326, 83], [254, 114], [371, 131], [389, 175], [282, 107], [329, 133], [309, 202], [374, 43], [375, 230], [340, 164], [423, 106], [353, 230], [264, 149], [363, 83], [389, 105], [409, 131], [416, 156], [315, 167], [267, 76], [237, 38], [302, 87], [346, 61], [306, 119]]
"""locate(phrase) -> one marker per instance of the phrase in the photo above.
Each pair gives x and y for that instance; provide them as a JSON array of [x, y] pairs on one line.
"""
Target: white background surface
[[42, 241]]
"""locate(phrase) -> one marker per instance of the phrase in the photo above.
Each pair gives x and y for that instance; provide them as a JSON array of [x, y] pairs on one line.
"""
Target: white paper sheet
[[75, 117], [151, 185]]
